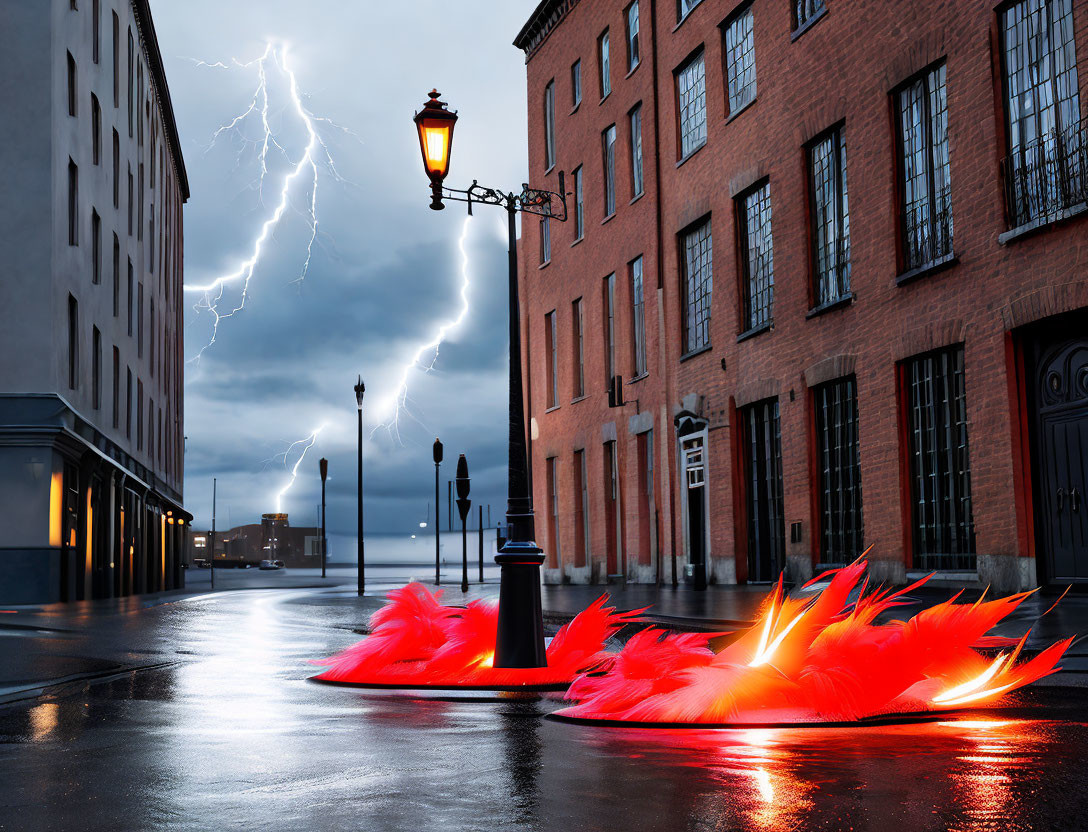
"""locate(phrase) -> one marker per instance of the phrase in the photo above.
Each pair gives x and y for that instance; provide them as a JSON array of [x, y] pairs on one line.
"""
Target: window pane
[[758, 253], [805, 10], [579, 205], [576, 83], [740, 61], [638, 310], [944, 531], [632, 36], [606, 80], [609, 141], [841, 537], [830, 217], [636, 151], [691, 94], [549, 124], [696, 248]]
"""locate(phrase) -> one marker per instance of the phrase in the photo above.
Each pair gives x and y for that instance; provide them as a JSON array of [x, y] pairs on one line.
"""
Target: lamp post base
[[520, 638]]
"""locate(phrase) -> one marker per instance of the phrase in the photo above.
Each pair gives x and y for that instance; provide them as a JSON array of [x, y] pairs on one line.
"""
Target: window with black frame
[[696, 250], [691, 103], [632, 36], [579, 205], [757, 256], [740, 60], [830, 218], [925, 185], [608, 158], [1046, 169], [638, 319], [806, 11], [838, 462], [762, 449], [940, 469], [635, 117], [545, 241]]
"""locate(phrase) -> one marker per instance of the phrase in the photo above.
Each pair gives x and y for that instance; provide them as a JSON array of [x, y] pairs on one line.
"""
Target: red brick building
[[824, 285]]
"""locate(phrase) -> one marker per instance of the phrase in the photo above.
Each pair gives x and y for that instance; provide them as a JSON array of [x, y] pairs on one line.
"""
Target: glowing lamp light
[[434, 124]]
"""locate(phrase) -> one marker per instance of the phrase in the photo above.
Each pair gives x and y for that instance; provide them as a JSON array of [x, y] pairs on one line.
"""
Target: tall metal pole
[[463, 507], [480, 530], [520, 639], [324, 467], [212, 541], [360, 389], [436, 454]]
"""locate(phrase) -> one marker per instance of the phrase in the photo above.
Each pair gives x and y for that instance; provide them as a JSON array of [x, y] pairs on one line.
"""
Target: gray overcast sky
[[385, 271]]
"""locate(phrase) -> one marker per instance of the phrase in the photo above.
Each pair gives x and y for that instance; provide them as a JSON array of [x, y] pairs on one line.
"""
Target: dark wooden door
[[763, 487], [1061, 457]]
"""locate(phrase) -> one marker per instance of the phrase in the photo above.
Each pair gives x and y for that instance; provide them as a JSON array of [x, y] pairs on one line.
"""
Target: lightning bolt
[[315, 155], [306, 443], [392, 406]]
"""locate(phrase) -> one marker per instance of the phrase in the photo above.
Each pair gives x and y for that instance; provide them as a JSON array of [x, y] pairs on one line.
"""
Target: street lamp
[[436, 452], [360, 389], [323, 465], [463, 505], [434, 124], [520, 638]]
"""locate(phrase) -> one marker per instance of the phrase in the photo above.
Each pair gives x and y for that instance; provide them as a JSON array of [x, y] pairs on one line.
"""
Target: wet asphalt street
[[223, 731]]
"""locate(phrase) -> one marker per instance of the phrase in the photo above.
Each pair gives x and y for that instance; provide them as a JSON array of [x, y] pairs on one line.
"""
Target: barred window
[[830, 217], [762, 438], [632, 36], [576, 83], [1046, 170], [944, 531], [696, 251], [608, 146], [804, 11], [603, 68], [926, 202], [636, 151], [549, 125], [638, 318], [691, 99], [840, 471], [740, 61], [579, 205], [757, 256]]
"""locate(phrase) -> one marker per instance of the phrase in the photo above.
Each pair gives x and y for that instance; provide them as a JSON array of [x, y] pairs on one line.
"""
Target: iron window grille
[[632, 36], [841, 530], [553, 356], [830, 218], [697, 272], [579, 205], [805, 11], [604, 70], [638, 318], [549, 125], [740, 61], [1046, 169], [943, 528], [636, 151], [691, 101], [576, 83], [758, 256], [763, 474], [608, 147], [924, 181]]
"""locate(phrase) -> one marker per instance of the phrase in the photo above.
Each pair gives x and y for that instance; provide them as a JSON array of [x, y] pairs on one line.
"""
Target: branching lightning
[[315, 156], [306, 443], [391, 407]]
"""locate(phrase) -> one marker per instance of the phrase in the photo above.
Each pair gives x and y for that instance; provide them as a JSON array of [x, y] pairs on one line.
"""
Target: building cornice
[[545, 17], [146, 26]]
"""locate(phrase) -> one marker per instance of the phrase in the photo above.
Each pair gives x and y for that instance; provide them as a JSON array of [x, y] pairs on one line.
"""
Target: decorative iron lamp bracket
[[529, 201]]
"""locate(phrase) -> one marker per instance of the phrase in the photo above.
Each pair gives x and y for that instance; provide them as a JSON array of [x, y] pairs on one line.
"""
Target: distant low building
[[271, 539]]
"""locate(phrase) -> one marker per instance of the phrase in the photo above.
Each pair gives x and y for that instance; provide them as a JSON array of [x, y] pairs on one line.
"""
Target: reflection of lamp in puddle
[[43, 719]]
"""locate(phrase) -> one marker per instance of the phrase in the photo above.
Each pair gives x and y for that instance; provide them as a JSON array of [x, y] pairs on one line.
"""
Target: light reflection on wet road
[[233, 736]]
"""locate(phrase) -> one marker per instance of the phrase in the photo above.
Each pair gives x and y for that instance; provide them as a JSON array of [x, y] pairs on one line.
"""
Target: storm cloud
[[385, 270]]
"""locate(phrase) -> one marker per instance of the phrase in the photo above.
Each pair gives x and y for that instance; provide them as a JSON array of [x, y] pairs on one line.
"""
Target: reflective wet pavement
[[228, 733]]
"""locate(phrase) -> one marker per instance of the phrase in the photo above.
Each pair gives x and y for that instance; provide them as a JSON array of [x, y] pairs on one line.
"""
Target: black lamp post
[[436, 452], [463, 505], [360, 389], [323, 464], [520, 640]]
